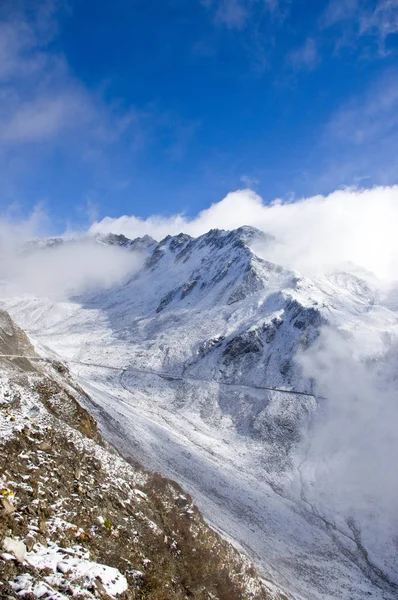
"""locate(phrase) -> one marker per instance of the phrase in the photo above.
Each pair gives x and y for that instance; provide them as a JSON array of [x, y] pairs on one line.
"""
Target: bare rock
[[100, 586], [45, 446], [43, 526], [29, 542], [7, 505]]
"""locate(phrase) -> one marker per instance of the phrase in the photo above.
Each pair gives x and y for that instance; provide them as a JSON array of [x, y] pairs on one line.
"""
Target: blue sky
[[161, 107]]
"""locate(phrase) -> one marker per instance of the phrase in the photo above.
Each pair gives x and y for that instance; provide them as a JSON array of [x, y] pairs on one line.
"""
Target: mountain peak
[[242, 236], [137, 244]]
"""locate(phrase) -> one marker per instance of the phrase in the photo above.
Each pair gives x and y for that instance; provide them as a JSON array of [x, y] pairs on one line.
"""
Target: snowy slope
[[175, 357], [77, 520]]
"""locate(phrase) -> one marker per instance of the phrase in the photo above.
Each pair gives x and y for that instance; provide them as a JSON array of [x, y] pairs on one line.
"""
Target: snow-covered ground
[[69, 567], [217, 323]]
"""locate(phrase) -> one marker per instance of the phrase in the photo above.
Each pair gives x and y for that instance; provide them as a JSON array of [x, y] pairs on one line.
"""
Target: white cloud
[[313, 234], [72, 268], [44, 117], [38, 97], [349, 467], [41, 99], [79, 265]]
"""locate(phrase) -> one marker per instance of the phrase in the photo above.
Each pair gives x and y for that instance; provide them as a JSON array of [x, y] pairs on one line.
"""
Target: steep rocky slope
[[77, 520]]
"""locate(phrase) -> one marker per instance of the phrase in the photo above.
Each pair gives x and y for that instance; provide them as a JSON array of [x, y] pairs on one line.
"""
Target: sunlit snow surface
[[207, 312]]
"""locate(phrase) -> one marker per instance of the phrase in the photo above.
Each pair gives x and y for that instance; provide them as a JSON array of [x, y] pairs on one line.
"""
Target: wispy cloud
[[339, 10], [360, 139], [41, 100], [237, 14], [232, 13], [249, 181], [44, 117], [47, 112], [382, 22], [357, 19], [39, 97], [370, 117], [306, 56], [255, 25], [16, 229]]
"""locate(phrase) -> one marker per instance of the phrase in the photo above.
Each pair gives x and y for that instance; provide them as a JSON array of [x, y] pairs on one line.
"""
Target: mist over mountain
[[268, 393]]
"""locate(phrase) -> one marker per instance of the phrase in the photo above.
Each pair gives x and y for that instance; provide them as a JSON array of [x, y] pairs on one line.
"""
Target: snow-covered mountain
[[77, 520], [205, 363], [110, 239]]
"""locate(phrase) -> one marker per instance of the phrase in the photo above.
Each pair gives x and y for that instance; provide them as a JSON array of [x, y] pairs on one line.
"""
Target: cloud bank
[[355, 441], [348, 473], [71, 269], [352, 226], [54, 268]]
